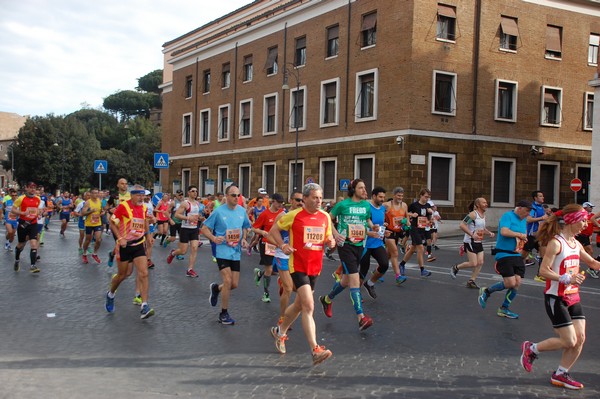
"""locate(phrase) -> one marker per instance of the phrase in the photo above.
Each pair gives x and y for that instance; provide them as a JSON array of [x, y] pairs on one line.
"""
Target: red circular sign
[[576, 184]]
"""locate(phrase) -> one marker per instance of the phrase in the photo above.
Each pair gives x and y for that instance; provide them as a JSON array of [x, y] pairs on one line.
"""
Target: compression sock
[[510, 295], [499, 286], [335, 290], [356, 300]]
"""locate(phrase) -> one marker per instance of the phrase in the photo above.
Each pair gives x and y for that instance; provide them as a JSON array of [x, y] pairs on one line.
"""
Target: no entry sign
[[576, 185]]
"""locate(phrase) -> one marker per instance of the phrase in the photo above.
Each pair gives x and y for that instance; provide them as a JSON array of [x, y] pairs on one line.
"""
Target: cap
[[524, 204], [262, 191], [146, 192], [278, 197], [588, 205]]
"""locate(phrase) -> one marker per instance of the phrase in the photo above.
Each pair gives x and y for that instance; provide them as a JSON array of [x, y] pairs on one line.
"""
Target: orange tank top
[[393, 218]]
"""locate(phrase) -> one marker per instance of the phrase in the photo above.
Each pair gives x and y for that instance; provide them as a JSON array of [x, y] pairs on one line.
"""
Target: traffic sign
[[100, 166], [576, 185], [344, 184], [157, 197], [161, 160]]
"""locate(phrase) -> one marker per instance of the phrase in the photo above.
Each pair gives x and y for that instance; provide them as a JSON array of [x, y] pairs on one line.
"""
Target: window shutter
[[446, 11], [369, 21], [553, 39], [509, 26], [333, 32], [271, 58]]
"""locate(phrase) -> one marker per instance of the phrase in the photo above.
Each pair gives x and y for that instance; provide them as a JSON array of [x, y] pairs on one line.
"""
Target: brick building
[[468, 97], [10, 123]]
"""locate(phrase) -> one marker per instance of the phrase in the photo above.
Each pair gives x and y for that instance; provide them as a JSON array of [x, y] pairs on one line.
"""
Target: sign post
[[576, 185], [161, 161], [100, 167]]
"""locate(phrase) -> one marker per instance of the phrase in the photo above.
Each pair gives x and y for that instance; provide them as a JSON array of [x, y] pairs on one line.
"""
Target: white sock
[[534, 349]]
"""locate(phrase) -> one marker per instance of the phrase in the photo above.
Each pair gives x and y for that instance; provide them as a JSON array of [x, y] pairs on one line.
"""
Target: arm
[[506, 232]]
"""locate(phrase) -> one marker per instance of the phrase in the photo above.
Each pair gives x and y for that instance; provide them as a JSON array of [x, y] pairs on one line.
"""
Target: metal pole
[[12, 160], [296, 122]]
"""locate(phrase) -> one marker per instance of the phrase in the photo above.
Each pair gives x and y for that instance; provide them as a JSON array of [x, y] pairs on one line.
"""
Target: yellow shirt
[[93, 219]]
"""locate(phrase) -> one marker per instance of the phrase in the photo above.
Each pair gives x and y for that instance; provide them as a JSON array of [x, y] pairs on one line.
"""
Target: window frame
[[220, 181], [450, 20], [511, 184], [329, 39], [264, 182], [453, 101], [201, 182], [183, 127], [593, 49], [206, 81], [201, 126], [556, 193], [185, 184], [515, 95], [241, 181], [543, 113], [219, 125], [368, 35], [553, 54], [358, 94], [248, 69], [292, 127], [451, 177], [586, 108], [291, 176], [357, 172], [323, 103], [507, 38], [300, 56], [226, 76], [275, 66], [266, 115], [189, 87], [248, 134], [322, 176]]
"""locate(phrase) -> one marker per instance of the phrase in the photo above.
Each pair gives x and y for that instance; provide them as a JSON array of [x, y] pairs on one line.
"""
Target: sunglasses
[[298, 199], [234, 195], [193, 191]]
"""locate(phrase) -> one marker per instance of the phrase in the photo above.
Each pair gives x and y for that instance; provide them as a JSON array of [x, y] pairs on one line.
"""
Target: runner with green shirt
[[353, 215]]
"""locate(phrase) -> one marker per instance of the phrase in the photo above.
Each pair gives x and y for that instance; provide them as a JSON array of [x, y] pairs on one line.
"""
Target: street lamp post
[[62, 168], [296, 73], [12, 161]]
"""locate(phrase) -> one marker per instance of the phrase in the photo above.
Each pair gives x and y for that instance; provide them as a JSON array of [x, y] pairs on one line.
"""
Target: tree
[[129, 103], [150, 82]]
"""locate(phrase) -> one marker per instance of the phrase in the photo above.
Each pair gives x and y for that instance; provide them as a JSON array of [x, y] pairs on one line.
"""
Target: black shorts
[[130, 252], [510, 266], [301, 279], [396, 235], [531, 244], [474, 247], [380, 255], [265, 260], [560, 314], [187, 235], [583, 239], [174, 229], [91, 229], [418, 236], [234, 265], [159, 222], [27, 231], [350, 256], [65, 216]]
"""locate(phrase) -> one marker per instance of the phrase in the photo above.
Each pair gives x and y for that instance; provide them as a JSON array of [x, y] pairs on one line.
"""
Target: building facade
[[10, 123], [469, 98]]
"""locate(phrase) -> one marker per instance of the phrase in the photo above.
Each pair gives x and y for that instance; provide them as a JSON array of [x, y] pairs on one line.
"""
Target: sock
[[510, 295], [266, 283], [33, 256], [534, 349], [402, 263], [111, 295], [144, 304], [370, 283], [356, 300], [162, 239], [18, 252], [335, 290], [429, 249], [223, 311], [561, 370], [499, 286]]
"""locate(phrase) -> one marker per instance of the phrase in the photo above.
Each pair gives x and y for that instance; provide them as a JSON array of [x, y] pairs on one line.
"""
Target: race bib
[[520, 245], [314, 237], [137, 226], [397, 221], [356, 232], [95, 218], [31, 211], [422, 222], [478, 235], [232, 236]]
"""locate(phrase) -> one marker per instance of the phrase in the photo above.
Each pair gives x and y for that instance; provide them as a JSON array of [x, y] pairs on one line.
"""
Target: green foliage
[[129, 103], [150, 82]]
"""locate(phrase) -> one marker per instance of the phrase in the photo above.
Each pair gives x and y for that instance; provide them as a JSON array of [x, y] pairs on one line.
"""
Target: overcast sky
[[58, 54]]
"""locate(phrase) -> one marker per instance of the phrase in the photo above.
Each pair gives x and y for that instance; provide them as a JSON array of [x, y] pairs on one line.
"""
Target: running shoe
[[165, 243], [527, 356], [146, 312], [539, 278], [257, 275], [214, 294], [84, 259], [425, 273], [150, 264], [327, 307], [180, 257], [454, 270], [137, 300], [279, 339], [90, 251], [266, 298], [400, 279], [7, 246], [365, 323], [336, 276], [593, 273], [328, 255], [431, 258], [320, 354], [504, 312], [436, 247], [472, 284], [16, 267], [529, 262], [170, 257], [111, 258], [214, 259], [80, 251], [191, 273], [370, 289], [483, 297], [224, 318], [96, 258], [110, 304], [564, 380], [34, 269]]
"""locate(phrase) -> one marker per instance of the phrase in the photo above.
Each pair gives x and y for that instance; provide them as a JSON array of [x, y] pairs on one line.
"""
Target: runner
[[397, 223], [26, 207], [92, 212], [230, 225], [537, 215], [255, 207], [309, 230], [65, 206], [174, 223], [113, 202], [10, 219], [560, 267], [162, 217]]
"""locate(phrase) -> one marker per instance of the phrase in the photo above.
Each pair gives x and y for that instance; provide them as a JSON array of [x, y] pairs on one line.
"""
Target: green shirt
[[352, 220]]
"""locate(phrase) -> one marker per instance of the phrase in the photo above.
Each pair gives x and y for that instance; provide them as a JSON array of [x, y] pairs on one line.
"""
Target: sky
[[59, 55]]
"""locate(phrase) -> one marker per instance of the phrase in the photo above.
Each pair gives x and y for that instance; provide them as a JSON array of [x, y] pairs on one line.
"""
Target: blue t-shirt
[[228, 223], [377, 217], [514, 223], [537, 211]]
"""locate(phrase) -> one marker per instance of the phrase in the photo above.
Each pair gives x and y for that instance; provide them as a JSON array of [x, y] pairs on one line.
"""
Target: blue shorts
[[281, 264], [65, 216], [13, 223], [81, 223], [92, 229]]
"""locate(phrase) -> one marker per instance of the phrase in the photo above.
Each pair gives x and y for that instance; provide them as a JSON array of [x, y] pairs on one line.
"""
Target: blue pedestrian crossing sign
[[161, 160], [344, 184], [100, 166]]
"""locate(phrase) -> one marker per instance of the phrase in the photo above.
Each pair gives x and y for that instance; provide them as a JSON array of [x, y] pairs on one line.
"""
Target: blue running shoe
[[214, 294], [400, 279], [224, 318], [179, 257], [111, 259], [165, 243], [425, 273], [483, 297], [504, 312], [110, 303], [146, 312]]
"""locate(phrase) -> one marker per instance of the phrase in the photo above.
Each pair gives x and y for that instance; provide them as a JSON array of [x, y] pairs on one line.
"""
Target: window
[[509, 32], [333, 38], [245, 118], [202, 183], [551, 106], [328, 178], [506, 101], [548, 181], [441, 178], [186, 130], [444, 93], [186, 179], [300, 55], [188, 86], [298, 107], [588, 112], [329, 103], [364, 169], [204, 126], [206, 80], [271, 65], [245, 170], [248, 69], [593, 49], [268, 177], [270, 114], [224, 181], [446, 23], [223, 123], [226, 76], [366, 96], [553, 42], [503, 182], [368, 30], [296, 179]]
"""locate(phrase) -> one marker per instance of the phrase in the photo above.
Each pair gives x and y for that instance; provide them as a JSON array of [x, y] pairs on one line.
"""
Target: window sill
[[556, 125], [368, 47], [365, 119], [507, 50], [443, 113], [326, 125], [186, 145], [440, 39], [592, 64], [203, 142], [505, 120], [300, 129], [271, 74], [225, 88], [244, 137], [549, 57], [588, 129], [222, 140], [269, 133], [188, 98], [331, 57], [206, 93], [247, 81]]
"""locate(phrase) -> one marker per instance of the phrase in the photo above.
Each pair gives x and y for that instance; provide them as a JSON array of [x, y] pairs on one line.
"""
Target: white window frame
[[293, 90], [586, 110], [556, 180], [543, 115], [291, 176], [363, 45], [249, 166], [324, 103], [454, 93], [264, 174], [266, 115], [249, 135], [201, 191], [228, 106], [322, 176], [226, 77], [184, 183], [437, 22], [365, 156], [451, 181], [511, 184], [357, 94], [248, 70], [593, 49], [200, 126], [219, 181], [189, 87], [514, 100], [183, 143]]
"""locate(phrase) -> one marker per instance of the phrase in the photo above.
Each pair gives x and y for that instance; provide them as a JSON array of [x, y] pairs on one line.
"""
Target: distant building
[[10, 124], [469, 98]]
